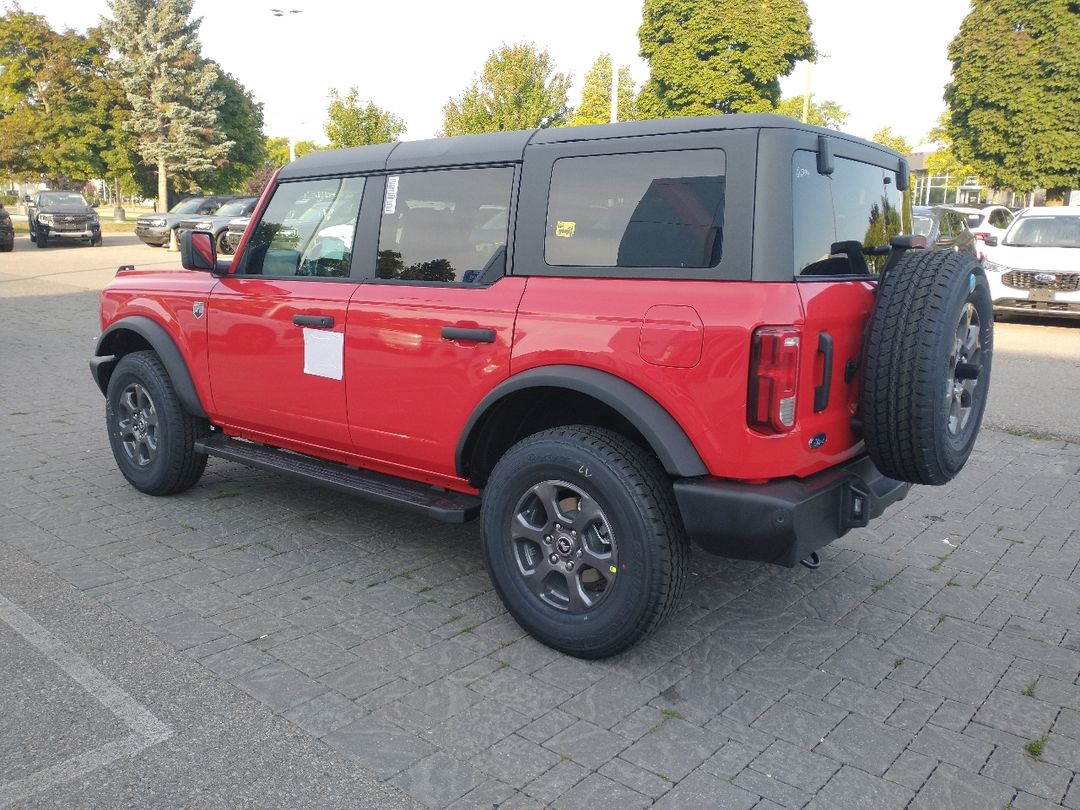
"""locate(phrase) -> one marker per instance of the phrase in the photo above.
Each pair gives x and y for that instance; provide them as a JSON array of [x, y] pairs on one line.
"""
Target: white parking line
[[146, 729]]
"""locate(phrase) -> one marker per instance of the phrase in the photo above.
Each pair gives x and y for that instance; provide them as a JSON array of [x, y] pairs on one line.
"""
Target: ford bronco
[[605, 342]]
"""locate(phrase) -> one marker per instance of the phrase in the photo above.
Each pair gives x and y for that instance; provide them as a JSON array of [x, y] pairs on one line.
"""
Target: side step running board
[[440, 504]]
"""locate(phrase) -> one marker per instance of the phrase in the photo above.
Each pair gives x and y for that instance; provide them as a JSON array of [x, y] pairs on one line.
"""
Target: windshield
[[1050, 231], [923, 225], [188, 206], [233, 209], [63, 201]]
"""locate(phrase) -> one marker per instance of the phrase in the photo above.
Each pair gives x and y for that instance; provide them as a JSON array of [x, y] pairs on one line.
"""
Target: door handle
[[318, 321], [821, 392], [474, 335]]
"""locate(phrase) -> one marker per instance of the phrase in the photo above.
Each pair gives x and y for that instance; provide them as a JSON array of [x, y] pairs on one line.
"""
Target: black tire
[[222, 244], [152, 436], [33, 236], [632, 526], [7, 248], [926, 366], [96, 242], [42, 240]]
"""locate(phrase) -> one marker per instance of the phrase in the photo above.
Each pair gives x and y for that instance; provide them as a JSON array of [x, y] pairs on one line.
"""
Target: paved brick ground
[[915, 669]]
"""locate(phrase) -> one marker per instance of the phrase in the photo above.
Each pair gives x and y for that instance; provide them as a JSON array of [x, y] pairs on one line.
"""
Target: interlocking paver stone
[[341, 616]]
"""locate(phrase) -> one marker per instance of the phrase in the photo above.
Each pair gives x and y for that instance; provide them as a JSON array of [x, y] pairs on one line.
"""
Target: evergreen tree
[[240, 120], [595, 107], [170, 87], [719, 56], [517, 89], [1014, 98], [352, 123]]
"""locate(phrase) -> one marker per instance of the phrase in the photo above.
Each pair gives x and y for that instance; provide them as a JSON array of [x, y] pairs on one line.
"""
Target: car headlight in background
[[994, 267], [45, 218], [204, 226], [155, 223]]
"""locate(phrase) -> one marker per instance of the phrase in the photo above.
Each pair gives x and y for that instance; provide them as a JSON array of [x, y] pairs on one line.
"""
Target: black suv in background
[[154, 229], [7, 231], [62, 215]]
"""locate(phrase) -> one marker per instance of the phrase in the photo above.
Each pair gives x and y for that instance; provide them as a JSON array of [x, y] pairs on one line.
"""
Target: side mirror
[[991, 241], [197, 251]]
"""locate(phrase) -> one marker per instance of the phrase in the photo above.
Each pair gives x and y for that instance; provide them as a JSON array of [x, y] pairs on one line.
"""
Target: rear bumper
[[783, 521]]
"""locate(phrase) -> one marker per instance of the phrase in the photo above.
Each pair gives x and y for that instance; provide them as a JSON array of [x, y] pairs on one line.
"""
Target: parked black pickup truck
[[62, 215]]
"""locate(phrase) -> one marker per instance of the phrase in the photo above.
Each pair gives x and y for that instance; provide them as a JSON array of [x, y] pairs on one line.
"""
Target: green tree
[[240, 120], [277, 150], [719, 56], [886, 137], [518, 88], [823, 113], [1014, 98], [170, 87], [55, 101], [595, 107], [944, 159], [353, 123]]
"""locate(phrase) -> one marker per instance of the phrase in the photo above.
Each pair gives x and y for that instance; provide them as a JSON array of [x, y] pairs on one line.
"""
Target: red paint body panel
[[166, 297], [593, 323], [671, 336], [411, 391], [257, 358]]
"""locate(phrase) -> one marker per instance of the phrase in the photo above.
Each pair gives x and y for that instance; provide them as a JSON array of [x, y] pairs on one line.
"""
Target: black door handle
[[474, 335], [821, 392], [318, 321]]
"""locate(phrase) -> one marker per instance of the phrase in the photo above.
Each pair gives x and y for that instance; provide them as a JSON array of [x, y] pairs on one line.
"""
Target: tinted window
[[858, 202], [973, 220], [307, 229], [1000, 218], [236, 208], [62, 201], [445, 226], [188, 206], [657, 209]]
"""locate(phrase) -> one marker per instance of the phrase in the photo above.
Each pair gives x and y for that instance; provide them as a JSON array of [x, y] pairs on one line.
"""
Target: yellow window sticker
[[565, 228]]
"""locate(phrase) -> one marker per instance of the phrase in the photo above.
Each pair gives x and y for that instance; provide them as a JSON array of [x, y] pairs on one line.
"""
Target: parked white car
[[1035, 269], [992, 220]]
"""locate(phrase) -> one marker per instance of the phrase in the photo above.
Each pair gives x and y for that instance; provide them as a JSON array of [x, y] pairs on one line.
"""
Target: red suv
[[602, 341]]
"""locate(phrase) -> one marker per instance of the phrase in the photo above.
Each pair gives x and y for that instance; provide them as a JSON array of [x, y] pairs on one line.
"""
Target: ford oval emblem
[[818, 441], [1045, 278]]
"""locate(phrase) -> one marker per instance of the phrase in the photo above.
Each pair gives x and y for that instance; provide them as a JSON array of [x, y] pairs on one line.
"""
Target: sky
[[411, 56]]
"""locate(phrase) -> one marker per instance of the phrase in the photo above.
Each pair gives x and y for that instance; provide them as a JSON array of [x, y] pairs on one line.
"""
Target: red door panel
[[257, 359], [411, 390]]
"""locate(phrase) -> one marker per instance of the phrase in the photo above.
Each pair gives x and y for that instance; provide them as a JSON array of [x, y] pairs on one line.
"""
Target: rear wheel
[[582, 540], [152, 436], [926, 366]]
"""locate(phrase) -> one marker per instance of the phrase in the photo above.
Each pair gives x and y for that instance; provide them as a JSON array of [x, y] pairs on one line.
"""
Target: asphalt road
[[1036, 378]]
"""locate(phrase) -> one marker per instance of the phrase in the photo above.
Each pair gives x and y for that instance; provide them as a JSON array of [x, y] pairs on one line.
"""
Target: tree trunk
[[162, 186]]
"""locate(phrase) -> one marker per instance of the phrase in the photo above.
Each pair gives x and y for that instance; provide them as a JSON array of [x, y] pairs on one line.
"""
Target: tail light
[[981, 235], [774, 374]]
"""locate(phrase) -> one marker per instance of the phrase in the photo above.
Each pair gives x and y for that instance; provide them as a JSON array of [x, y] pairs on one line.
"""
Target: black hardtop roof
[[509, 147]]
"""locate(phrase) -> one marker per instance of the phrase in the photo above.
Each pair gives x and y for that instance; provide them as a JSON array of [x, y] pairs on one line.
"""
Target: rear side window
[[445, 226], [1000, 218], [857, 203], [307, 230], [654, 209]]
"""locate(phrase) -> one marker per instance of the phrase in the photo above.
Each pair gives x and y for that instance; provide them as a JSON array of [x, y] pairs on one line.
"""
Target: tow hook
[[812, 562]]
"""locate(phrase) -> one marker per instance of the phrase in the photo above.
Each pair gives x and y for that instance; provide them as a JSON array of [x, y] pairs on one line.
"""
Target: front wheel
[[223, 247], [582, 540], [42, 240], [152, 436]]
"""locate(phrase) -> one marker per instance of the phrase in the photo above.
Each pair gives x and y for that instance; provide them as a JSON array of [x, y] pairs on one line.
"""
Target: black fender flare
[[162, 343], [665, 436]]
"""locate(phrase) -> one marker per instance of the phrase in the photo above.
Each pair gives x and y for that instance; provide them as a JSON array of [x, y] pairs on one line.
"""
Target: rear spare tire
[[926, 366]]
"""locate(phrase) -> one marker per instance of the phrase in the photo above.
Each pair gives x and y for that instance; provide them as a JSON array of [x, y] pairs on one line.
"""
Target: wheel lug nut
[[547, 539], [573, 533], [579, 553], [558, 527], [554, 558], [570, 565]]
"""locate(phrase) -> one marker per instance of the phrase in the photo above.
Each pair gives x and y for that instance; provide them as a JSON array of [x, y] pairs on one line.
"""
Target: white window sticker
[[390, 206], [324, 353]]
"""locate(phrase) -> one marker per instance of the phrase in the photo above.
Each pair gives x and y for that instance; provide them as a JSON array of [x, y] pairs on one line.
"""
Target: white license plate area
[[1040, 295]]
